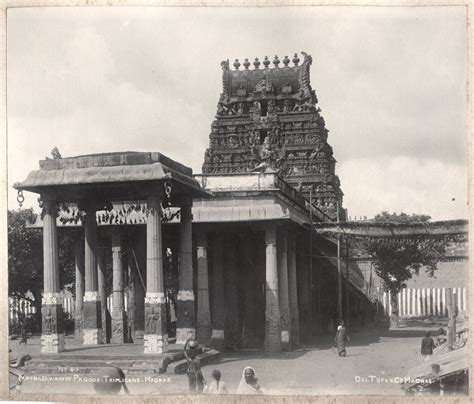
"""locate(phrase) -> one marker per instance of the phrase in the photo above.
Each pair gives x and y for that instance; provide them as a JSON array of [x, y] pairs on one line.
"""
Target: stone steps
[[170, 363], [85, 366]]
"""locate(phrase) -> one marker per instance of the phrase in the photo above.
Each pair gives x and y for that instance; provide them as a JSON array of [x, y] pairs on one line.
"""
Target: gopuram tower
[[268, 121]]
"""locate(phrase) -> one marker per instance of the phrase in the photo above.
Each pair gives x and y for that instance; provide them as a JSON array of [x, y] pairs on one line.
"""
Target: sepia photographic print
[[258, 201]]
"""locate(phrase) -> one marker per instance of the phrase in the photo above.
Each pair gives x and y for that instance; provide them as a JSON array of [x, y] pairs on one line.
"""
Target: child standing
[[216, 386]]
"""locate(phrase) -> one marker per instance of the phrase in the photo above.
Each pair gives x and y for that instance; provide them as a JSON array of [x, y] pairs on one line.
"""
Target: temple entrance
[[243, 298]]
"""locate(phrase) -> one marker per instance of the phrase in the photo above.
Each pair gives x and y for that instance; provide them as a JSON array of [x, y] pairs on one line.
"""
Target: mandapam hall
[[229, 251]]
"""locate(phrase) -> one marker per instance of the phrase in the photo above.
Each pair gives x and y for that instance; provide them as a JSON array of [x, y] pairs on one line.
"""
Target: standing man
[[427, 346], [195, 377], [341, 339]]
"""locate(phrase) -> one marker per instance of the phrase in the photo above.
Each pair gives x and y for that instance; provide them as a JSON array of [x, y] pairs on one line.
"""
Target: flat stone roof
[[129, 158], [119, 170], [231, 190]]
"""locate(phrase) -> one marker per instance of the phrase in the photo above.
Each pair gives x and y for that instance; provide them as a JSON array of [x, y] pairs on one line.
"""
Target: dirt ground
[[315, 369]]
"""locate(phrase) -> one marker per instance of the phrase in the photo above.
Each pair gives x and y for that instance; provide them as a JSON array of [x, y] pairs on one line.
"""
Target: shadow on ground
[[326, 342]]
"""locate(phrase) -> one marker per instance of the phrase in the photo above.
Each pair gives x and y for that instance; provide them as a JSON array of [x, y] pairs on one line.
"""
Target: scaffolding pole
[[339, 272]]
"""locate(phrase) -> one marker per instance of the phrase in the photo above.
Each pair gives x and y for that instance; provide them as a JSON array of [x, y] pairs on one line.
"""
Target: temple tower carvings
[[268, 121]]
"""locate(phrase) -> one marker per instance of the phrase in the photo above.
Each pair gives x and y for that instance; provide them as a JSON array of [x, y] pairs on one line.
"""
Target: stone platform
[[129, 357]]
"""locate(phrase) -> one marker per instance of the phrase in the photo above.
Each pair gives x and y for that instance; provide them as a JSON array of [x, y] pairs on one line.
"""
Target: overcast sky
[[391, 83]]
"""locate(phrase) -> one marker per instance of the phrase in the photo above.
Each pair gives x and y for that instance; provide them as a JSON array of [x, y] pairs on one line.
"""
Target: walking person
[[340, 339], [195, 377], [216, 386], [248, 384], [427, 346]]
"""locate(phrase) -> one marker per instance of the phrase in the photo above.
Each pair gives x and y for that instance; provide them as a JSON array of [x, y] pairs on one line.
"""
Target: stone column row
[[155, 333], [281, 307]]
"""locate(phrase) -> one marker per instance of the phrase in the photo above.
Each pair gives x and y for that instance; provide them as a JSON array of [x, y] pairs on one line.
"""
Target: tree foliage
[[401, 218], [397, 262], [25, 257]]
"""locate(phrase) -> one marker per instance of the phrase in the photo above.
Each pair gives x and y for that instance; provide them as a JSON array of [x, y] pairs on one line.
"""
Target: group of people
[[197, 384], [248, 383]]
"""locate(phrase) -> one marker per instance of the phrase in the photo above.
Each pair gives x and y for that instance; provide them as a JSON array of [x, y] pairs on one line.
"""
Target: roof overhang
[[393, 230], [252, 197], [129, 175]]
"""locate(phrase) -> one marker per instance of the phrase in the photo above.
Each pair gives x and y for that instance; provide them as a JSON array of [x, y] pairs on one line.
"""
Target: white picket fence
[[25, 307], [425, 302]]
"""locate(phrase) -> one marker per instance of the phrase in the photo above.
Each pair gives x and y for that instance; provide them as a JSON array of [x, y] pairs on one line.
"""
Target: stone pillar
[[232, 335], [285, 325], [119, 324], [302, 279], [250, 291], [52, 334], [292, 289], [139, 327], [101, 283], [218, 301], [186, 316], [139, 283], [272, 306], [156, 337], [203, 313], [131, 299], [79, 302], [92, 304]]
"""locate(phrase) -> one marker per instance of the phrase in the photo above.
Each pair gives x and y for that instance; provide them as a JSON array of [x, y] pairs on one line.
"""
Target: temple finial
[[296, 59], [276, 61], [286, 61], [236, 64], [256, 63], [246, 64], [266, 62]]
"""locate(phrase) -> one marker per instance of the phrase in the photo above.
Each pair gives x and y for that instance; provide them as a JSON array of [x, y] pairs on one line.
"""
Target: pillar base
[[119, 328], [185, 326], [272, 331], [217, 339], [138, 335], [285, 333], [155, 344], [52, 317], [285, 340], [92, 336], [52, 343], [92, 318], [78, 329], [295, 330], [155, 339]]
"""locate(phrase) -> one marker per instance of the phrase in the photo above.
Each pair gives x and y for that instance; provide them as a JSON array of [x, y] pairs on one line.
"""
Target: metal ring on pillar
[[167, 189], [20, 198]]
